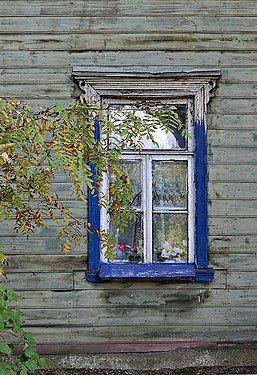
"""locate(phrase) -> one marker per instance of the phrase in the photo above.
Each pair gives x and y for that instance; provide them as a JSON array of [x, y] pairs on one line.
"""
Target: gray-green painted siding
[[40, 43]]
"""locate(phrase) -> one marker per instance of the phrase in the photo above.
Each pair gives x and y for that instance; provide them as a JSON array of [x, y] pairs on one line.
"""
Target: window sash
[[159, 155], [147, 205]]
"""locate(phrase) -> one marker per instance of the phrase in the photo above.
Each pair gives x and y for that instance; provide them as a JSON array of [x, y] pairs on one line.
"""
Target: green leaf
[[15, 316], [28, 336], [17, 329], [6, 369], [2, 289], [31, 365], [23, 358], [24, 370], [42, 362], [11, 295], [4, 315], [5, 348], [30, 352]]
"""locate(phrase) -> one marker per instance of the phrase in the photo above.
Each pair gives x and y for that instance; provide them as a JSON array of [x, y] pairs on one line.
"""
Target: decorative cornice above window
[[137, 85]]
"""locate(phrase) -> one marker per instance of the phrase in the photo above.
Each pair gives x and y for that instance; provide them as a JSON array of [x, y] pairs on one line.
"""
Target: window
[[169, 238]]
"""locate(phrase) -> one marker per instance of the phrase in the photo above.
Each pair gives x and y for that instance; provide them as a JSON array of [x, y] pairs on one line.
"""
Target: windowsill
[[154, 271]]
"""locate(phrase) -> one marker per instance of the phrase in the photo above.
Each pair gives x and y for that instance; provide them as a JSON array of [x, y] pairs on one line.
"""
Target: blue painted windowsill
[[154, 271]]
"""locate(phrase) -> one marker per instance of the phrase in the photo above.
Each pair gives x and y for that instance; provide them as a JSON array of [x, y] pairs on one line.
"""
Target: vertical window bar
[[191, 210], [104, 216], [147, 207], [149, 216], [94, 220]]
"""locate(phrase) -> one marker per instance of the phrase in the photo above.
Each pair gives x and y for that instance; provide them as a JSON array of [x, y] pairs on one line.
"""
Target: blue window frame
[[195, 271], [198, 88]]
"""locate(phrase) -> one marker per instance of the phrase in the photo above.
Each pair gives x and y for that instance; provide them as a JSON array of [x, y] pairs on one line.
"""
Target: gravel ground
[[186, 371]]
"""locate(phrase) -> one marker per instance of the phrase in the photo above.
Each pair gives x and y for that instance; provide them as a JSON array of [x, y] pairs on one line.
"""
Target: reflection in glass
[[171, 140], [133, 171], [170, 237], [181, 110], [129, 246], [169, 185]]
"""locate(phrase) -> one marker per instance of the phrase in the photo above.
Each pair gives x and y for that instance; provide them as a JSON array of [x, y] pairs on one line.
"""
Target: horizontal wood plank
[[232, 190], [78, 208], [49, 91], [102, 8], [130, 316], [39, 281], [231, 121], [146, 333], [107, 298], [120, 24], [51, 229], [232, 261], [129, 59], [236, 208], [19, 245], [233, 244], [222, 226], [50, 263], [102, 298], [233, 106], [232, 155], [237, 138], [163, 41], [239, 173], [242, 279]]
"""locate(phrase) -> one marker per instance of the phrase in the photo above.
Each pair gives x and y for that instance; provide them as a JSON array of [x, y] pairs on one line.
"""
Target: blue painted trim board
[[147, 271], [94, 220], [201, 217]]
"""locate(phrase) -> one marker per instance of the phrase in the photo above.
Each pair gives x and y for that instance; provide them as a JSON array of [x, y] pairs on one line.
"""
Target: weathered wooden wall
[[41, 40]]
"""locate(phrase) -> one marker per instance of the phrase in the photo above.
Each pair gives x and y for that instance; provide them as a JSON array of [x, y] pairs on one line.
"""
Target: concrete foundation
[[186, 361]]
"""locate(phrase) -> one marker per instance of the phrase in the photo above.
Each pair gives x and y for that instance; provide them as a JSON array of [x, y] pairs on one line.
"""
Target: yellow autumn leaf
[[66, 249], [3, 258], [2, 273]]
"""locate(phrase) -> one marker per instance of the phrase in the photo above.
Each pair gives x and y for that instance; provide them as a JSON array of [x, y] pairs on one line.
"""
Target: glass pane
[[130, 242], [169, 185], [182, 114], [170, 237], [173, 140], [133, 171]]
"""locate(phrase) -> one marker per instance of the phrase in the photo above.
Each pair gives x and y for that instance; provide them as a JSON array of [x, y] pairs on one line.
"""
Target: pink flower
[[122, 246], [133, 249]]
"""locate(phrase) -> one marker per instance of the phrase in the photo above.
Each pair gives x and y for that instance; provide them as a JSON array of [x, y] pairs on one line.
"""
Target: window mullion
[[147, 187], [191, 210]]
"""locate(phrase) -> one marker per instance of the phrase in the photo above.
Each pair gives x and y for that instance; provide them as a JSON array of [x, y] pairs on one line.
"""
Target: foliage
[[34, 148], [11, 333]]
